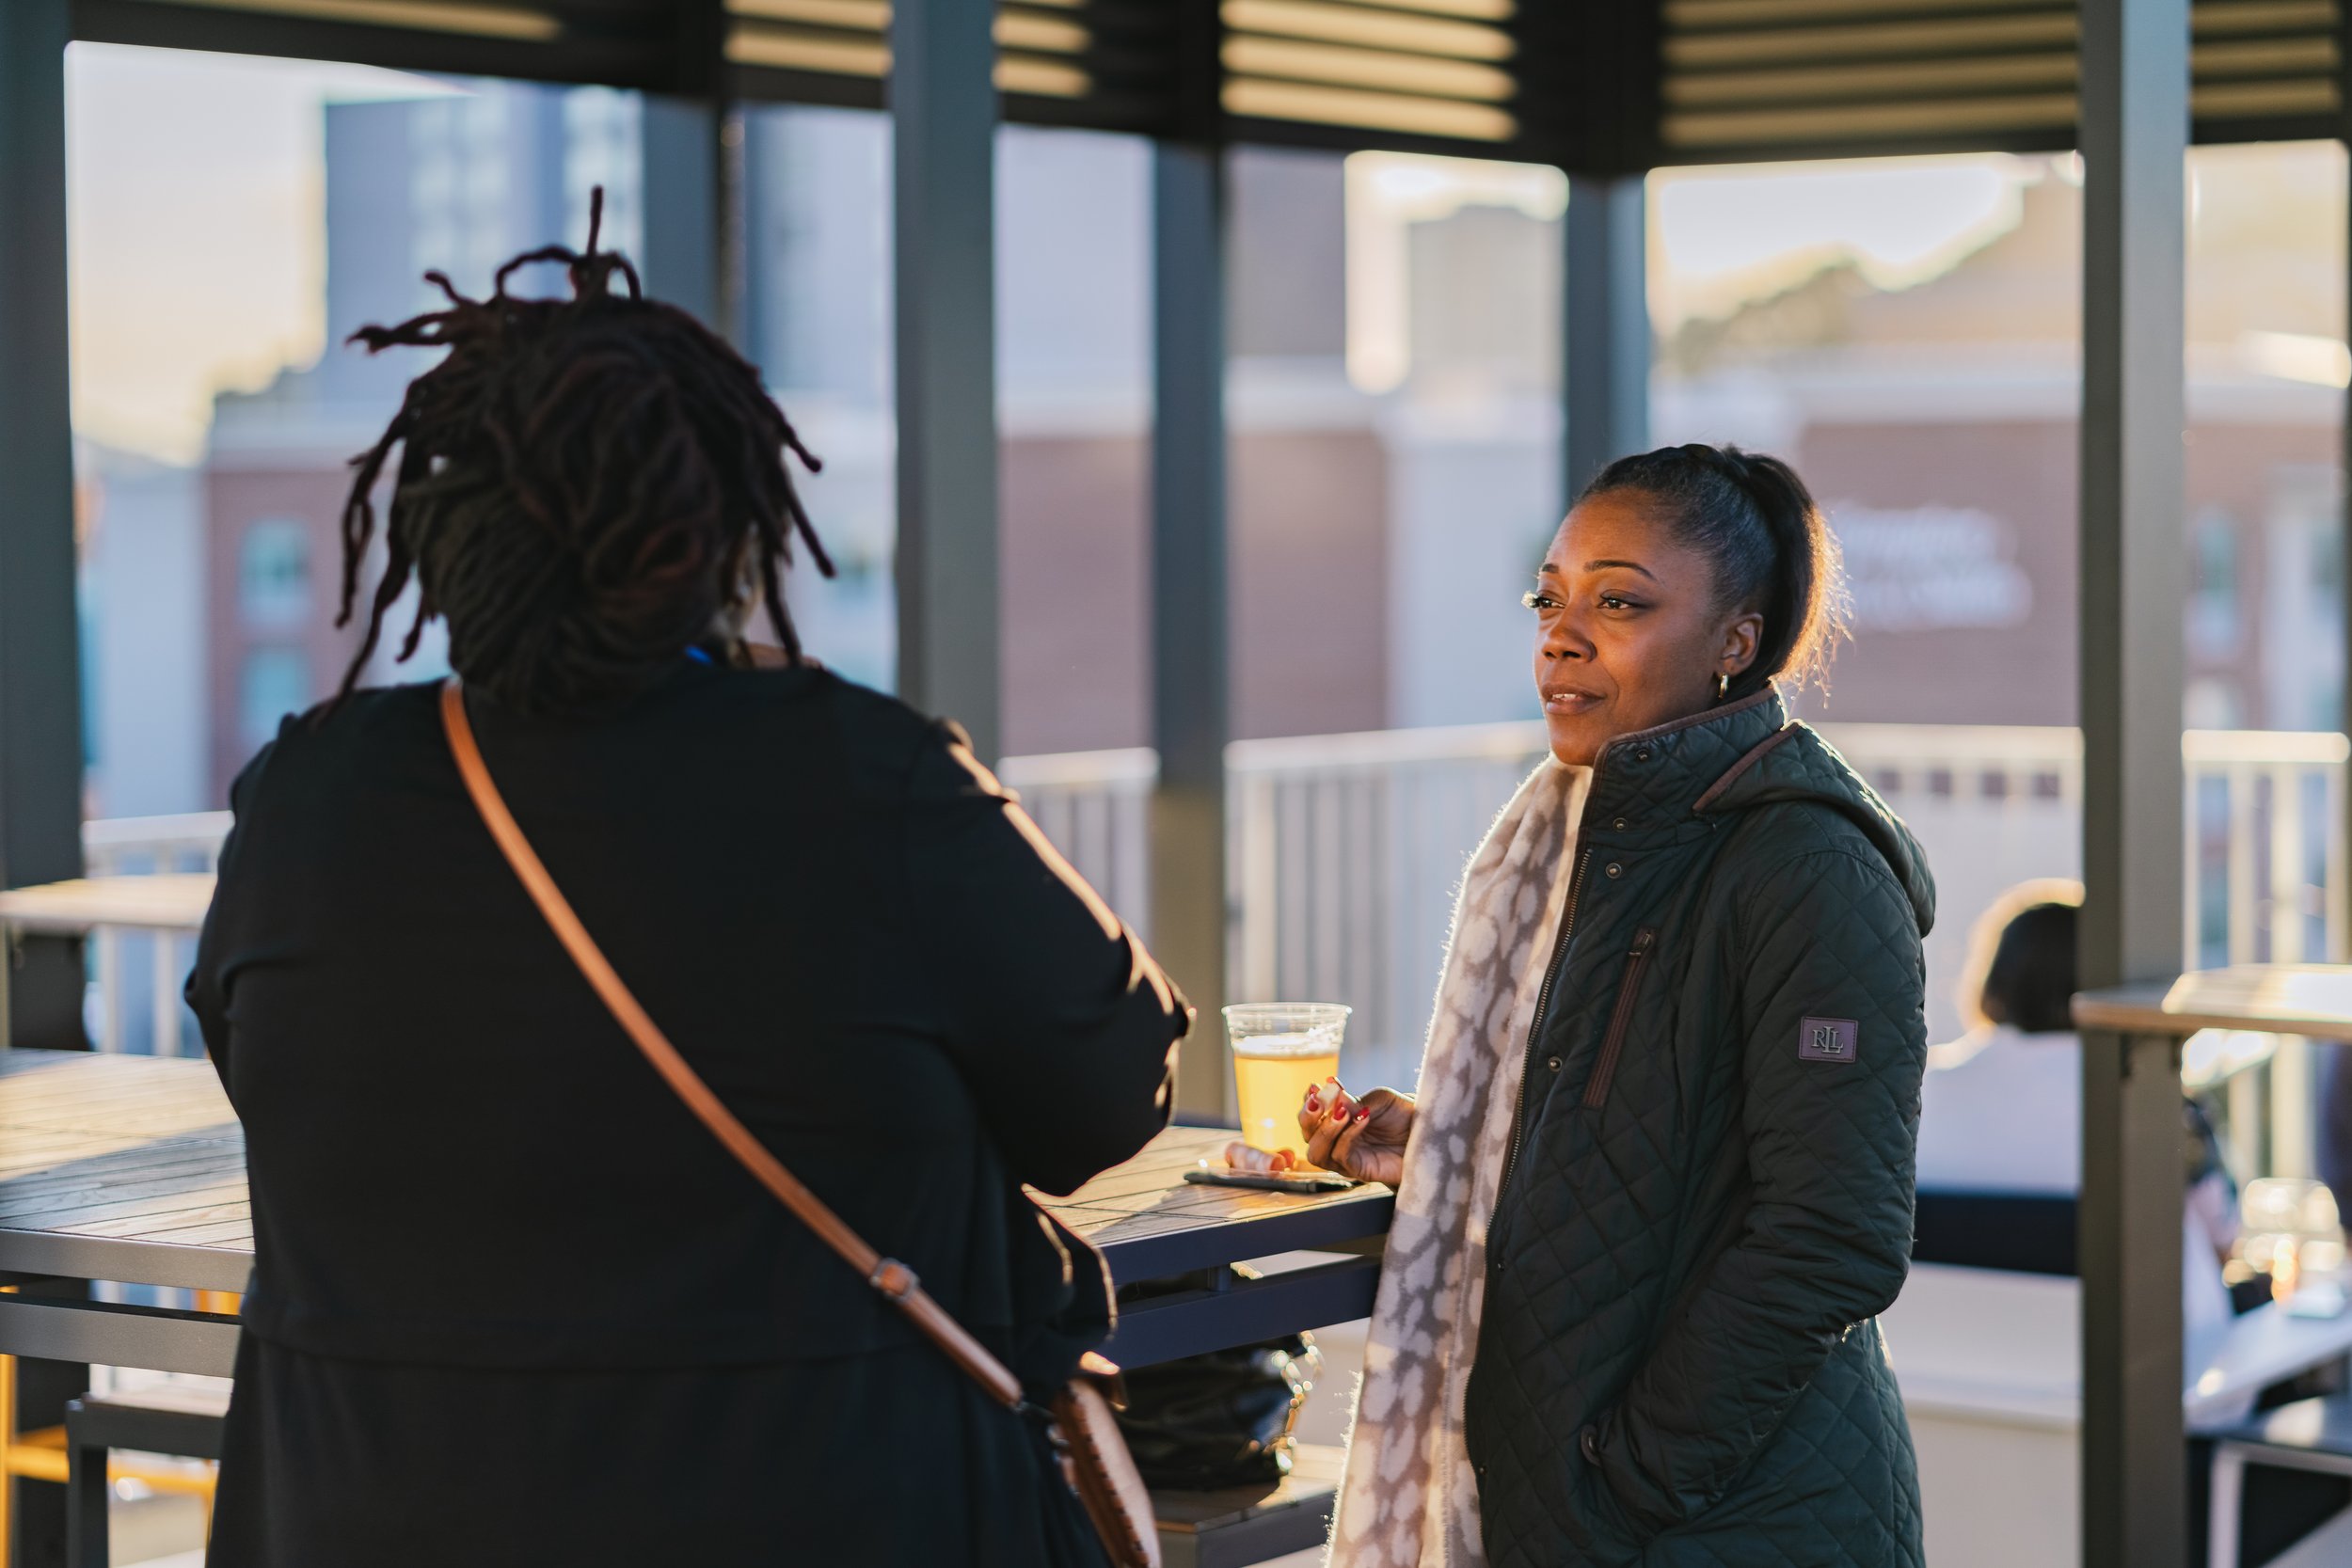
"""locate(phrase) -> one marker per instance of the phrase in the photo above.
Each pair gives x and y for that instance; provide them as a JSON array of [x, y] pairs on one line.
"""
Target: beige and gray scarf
[[1408, 1499]]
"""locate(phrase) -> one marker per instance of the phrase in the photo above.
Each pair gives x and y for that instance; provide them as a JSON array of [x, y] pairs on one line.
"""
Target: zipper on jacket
[[1535, 1032], [1605, 1065]]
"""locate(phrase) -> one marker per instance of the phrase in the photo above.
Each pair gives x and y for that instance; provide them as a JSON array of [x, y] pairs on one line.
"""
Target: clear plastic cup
[[1281, 1050]]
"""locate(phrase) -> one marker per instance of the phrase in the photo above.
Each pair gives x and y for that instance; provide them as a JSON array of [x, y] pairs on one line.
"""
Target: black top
[[459, 1160]]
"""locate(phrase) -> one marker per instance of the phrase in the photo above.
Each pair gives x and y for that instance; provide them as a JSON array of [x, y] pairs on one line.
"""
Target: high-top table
[[2130, 1252], [132, 1169]]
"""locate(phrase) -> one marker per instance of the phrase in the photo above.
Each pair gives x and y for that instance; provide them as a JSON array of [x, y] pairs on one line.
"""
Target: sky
[[1721, 235], [196, 232]]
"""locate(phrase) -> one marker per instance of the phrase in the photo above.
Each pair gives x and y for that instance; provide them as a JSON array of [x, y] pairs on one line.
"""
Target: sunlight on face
[[1628, 632]]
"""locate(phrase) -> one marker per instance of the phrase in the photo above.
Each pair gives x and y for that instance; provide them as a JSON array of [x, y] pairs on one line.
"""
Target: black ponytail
[[1770, 547]]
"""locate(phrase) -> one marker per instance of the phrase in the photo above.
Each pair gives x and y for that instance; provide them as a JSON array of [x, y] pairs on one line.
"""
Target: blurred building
[[1937, 424], [1394, 413], [456, 184], [143, 634]]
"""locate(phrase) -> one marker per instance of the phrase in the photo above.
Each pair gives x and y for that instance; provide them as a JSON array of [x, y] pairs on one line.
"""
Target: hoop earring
[[1723, 685]]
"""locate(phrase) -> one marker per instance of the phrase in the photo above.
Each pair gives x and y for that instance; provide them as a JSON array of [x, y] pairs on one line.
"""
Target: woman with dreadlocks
[[513, 1304]]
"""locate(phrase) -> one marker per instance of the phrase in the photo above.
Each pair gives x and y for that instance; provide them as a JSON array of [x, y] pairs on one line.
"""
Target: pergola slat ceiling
[[1041, 45], [1752, 76], [1601, 85], [1422, 68]]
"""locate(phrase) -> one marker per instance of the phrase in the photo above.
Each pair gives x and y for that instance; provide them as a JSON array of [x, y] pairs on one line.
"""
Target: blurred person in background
[[1656, 1184], [513, 1304], [2002, 1106]]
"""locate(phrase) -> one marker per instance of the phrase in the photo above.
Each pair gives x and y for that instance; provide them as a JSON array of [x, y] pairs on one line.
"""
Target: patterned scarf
[[1408, 1499]]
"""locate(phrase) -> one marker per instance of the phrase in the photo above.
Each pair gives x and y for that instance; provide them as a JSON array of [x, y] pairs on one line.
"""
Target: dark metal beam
[[41, 689], [943, 107], [612, 46], [684, 205], [1190, 711], [685, 167], [2134, 138], [1604, 371]]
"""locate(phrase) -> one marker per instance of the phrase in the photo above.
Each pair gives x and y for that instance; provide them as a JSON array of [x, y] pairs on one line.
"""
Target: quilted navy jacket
[[1709, 1193]]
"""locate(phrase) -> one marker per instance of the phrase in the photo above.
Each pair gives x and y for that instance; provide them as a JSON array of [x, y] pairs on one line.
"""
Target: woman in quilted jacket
[[1655, 1183]]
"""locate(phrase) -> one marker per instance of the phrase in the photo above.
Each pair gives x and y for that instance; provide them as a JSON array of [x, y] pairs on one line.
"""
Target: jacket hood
[[1794, 762]]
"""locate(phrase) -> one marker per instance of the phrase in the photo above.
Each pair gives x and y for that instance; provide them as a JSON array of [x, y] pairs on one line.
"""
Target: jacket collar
[[1660, 777]]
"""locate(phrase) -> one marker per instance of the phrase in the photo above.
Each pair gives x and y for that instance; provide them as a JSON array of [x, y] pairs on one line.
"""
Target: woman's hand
[[1359, 1137]]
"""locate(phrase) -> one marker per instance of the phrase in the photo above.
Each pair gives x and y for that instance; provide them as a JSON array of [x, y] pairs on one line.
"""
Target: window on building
[[270, 684], [2214, 623], [274, 574]]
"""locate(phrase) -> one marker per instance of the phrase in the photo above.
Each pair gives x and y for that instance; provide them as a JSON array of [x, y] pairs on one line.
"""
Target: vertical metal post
[[2134, 135], [683, 173], [942, 107], [1604, 368], [683, 255], [41, 690], [2337, 824], [1190, 718]]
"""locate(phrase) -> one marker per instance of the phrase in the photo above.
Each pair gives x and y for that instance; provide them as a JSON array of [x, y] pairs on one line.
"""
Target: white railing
[[1096, 806], [1343, 850], [1343, 853], [133, 846], [2265, 842]]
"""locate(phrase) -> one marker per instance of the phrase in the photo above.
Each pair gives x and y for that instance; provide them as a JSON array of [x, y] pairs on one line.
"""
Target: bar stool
[[180, 1422], [43, 1453]]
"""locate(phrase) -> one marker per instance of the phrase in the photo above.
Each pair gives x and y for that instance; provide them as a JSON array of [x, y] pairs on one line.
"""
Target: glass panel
[[1393, 397], [818, 311], [1906, 332], [2267, 368], [1394, 406], [1073, 341], [274, 574], [233, 222]]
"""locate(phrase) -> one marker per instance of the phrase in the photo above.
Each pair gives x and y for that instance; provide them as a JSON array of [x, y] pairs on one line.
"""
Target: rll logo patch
[[1828, 1039]]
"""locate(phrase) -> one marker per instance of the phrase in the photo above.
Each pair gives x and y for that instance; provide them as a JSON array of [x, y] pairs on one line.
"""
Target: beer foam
[[1309, 1042]]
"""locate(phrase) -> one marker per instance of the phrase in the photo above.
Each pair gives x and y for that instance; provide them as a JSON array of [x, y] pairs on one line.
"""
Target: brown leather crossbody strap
[[893, 1280]]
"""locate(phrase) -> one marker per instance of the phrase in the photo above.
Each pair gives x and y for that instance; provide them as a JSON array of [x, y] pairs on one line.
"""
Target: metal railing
[[133, 846], [1343, 853]]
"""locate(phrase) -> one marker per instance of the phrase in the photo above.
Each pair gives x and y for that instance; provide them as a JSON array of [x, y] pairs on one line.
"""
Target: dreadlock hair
[[585, 485]]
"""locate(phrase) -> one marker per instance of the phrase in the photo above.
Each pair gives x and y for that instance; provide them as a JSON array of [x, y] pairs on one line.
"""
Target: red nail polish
[[1362, 1116], [1313, 1102]]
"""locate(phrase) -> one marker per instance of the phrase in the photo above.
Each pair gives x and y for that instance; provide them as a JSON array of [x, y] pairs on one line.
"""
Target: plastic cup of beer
[[1281, 1050]]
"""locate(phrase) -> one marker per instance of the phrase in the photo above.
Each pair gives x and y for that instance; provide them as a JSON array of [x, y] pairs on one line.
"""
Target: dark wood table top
[[131, 1169]]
